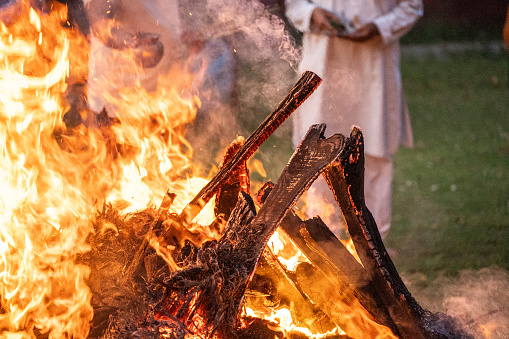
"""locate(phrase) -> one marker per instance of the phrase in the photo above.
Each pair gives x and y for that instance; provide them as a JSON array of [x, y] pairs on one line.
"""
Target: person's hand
[[363, 33], [325, 21], [147, 48]]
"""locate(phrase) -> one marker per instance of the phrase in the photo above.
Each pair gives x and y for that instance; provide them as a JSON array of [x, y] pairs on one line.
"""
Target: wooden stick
[[300, 92], [312, 155], [227, 194]]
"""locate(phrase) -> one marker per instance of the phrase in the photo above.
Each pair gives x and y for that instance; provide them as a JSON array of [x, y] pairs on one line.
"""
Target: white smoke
[[478, 299], [266, 57]]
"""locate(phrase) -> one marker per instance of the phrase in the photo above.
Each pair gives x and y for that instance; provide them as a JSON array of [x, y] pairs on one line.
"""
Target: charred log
[[297, 95], [337, 267], [346, 180]]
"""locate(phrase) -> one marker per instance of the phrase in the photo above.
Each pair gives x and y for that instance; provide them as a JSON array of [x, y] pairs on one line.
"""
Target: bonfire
[[110, 232]]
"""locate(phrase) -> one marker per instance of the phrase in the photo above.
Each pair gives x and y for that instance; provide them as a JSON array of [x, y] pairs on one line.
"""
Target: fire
[[53, 179], [287, 253], [356, 319], [285, 323]]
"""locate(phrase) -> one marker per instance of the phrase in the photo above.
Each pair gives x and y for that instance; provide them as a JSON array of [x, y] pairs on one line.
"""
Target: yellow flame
[[351, 248], [283, 318], [287, 253]]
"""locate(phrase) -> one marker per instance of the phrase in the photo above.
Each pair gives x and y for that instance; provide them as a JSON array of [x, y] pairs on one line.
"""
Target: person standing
[[354, 46]]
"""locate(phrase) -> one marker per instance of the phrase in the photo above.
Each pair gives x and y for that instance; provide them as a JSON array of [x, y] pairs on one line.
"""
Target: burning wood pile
[[138, 272], [215, 273]]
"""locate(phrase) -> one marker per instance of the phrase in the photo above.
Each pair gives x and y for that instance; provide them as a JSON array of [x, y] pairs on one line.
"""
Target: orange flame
[[52, 179]]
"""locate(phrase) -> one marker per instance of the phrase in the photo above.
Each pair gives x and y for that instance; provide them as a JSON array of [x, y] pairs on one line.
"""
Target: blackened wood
[[226, 198], [300, 92], [313, 154], [346, 179], [332, 258]]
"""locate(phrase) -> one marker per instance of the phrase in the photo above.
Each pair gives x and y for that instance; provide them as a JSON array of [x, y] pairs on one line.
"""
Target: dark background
[[459, 20]]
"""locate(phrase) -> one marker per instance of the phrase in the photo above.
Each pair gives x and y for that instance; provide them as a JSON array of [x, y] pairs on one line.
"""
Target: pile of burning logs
[[137, 295]]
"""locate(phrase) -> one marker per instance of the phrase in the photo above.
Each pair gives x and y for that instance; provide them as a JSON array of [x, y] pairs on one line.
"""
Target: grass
[[451, 192]]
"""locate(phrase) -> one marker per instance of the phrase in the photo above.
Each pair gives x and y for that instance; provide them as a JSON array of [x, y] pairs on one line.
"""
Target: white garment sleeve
[[299, 12], [399, 20]]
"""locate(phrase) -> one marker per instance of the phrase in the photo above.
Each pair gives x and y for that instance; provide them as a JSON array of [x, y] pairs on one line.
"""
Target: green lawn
[[451, 192]]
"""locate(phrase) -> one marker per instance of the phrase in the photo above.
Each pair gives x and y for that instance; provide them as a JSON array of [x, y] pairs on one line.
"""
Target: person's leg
[[378, 190]]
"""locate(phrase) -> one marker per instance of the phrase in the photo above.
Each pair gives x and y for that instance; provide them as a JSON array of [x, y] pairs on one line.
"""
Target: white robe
[[361, 80]]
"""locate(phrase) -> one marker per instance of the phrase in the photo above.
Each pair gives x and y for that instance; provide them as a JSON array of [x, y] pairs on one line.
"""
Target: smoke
[[262, 33], [477, 299], [262, 58]]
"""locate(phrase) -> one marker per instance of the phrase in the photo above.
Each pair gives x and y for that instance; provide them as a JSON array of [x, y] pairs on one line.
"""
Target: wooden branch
[[300, 92], [346, 179], [312, 155]]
